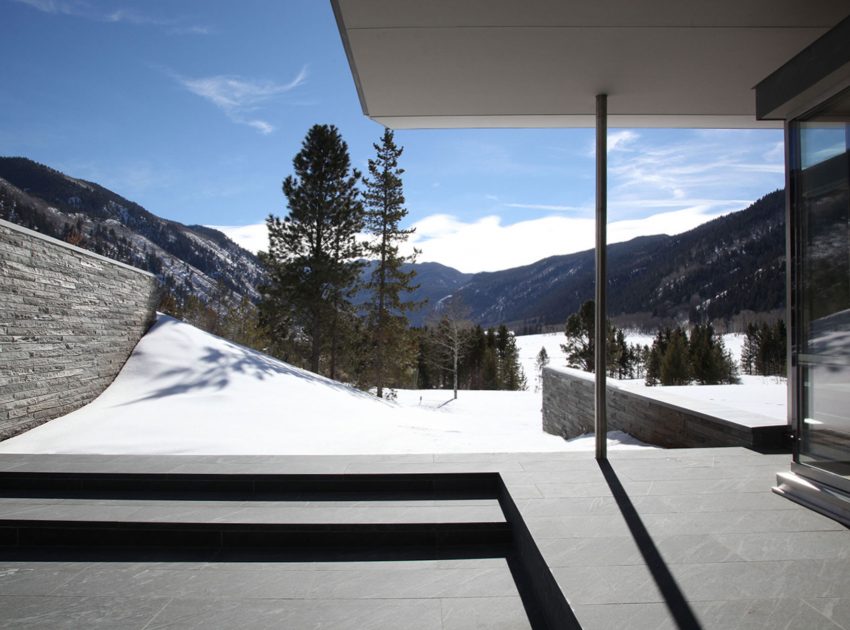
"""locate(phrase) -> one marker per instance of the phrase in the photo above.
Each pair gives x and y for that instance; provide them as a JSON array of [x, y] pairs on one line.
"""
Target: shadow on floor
[[675, 600]]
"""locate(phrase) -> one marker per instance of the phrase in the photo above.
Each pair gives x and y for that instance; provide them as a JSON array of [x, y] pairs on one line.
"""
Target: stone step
[[239, 486], [495, 537], [267, 512], [221, 511]]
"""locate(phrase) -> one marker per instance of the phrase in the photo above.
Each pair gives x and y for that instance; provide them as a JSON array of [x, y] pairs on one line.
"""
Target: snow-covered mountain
[[731, 264], [187, 259]]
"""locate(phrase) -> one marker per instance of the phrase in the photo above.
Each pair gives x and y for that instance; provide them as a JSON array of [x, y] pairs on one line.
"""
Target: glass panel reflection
[[822, 208], [825, 439]]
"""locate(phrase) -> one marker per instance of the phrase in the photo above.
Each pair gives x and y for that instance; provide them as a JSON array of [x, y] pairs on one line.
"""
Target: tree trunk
[[316, 349], [379, 359], [334, 335], [455, 366]]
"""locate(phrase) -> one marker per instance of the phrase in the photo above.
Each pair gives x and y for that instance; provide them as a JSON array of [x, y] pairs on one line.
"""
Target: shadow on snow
[[219, 366]]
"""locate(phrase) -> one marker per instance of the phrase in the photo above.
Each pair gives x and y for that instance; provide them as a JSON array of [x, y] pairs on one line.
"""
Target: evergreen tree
[[580, 345], [490, 362], [770, 357], [511, 376], [384, 203], [619, 358], [711, 363], [655, 354], [764, 350], [780, 348], [540, 362], [423, 377], [638, 357], [750, 349], [675, 368], [312, 258]]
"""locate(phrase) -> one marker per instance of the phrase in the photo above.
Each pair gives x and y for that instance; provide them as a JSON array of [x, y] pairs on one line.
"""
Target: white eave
[[540, 63]]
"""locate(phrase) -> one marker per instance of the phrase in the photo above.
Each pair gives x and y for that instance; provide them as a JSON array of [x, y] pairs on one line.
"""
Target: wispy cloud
[[52, 6], [546, 206], [99, 13], [620, 140], [240, 98], [617, 140], [195, 29], [696, 169]]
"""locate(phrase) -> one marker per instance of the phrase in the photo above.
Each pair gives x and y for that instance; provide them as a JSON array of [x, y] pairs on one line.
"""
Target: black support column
[[600, 412]]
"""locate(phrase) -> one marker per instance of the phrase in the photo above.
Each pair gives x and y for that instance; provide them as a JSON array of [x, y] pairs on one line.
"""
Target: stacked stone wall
[[568, 411], [69, 320]]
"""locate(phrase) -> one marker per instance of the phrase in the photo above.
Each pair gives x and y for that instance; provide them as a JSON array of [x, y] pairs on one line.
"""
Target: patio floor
[[654, 539]]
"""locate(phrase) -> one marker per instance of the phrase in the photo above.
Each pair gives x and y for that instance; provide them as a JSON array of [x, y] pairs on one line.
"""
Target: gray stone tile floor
[[660, 539], [475, 593]]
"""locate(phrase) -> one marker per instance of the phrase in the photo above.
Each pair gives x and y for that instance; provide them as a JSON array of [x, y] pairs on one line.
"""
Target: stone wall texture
[[68, 322], [568, 402]]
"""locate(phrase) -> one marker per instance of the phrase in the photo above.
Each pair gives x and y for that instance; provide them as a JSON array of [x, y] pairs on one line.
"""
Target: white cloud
[[52, 6], [260, 125], [253, 237], [238, 97], [195, 29], [486, 244], [619, 140], [546, 206], [691, 172], [88, 11]]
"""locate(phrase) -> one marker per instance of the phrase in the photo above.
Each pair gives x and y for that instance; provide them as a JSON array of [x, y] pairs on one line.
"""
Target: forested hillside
[[728, 265], [189, 260]]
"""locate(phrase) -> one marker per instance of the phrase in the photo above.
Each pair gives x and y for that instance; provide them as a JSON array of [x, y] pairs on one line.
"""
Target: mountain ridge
[[187, 259], [732, 263], [716, 270]]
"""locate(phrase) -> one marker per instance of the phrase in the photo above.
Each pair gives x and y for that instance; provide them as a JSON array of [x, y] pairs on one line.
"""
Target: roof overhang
[[811, 77], [540, 63]]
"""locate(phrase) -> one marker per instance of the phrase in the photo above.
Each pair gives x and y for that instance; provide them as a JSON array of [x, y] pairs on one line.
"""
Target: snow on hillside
[[184, 391]]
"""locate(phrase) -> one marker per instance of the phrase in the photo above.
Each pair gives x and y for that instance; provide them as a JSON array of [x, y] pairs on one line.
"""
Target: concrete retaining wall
[[68, 321], [568, 403]]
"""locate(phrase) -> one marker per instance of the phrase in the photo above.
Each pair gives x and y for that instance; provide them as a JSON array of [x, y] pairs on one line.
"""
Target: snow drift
[[184, 391]]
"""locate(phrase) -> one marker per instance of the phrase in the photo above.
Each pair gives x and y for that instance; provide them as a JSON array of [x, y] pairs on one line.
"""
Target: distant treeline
[[677, 356]]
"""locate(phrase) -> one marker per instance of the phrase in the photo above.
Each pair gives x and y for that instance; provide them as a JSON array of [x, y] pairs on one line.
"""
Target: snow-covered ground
[[184, 391], [763, 397]]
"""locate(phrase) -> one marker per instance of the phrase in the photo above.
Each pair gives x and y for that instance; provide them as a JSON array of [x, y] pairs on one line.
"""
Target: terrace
[[647, 539], [677, 538]]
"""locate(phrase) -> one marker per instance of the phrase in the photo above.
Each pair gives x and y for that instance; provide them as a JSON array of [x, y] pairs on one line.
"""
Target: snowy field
[[184, 391], [764, 397]]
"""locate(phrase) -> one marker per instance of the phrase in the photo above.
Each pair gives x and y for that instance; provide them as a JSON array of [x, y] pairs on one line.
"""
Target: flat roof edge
[[346, 45], [535, 121], [810, 75]]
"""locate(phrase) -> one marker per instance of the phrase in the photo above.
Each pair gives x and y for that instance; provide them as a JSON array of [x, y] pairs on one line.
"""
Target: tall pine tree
[[384, 201], [313, 253]]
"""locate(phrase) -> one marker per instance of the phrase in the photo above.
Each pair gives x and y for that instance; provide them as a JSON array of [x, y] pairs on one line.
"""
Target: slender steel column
[[600, 410]]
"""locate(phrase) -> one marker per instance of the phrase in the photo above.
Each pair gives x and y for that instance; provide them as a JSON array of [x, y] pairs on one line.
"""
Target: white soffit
[[540, 63]]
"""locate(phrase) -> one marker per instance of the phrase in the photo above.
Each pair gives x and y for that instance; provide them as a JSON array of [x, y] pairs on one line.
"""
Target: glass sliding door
[[821, 267]]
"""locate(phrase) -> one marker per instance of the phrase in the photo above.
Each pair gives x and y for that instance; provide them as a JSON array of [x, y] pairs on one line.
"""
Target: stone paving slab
[[653, 538], [455, 594]]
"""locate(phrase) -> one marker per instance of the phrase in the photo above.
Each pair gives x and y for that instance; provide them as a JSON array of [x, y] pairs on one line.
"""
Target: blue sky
[[195, 108]]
